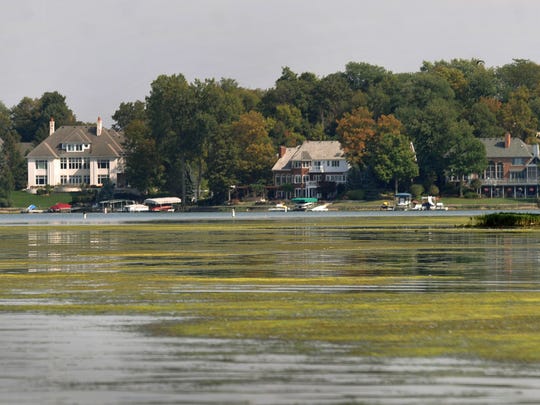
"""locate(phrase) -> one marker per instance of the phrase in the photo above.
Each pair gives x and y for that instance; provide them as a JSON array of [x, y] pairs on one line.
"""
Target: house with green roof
[[512, 168], [76, 156]]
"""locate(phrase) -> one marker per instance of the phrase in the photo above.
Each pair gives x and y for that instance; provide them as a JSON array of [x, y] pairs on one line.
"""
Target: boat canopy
[[163, 201], [304, 200]]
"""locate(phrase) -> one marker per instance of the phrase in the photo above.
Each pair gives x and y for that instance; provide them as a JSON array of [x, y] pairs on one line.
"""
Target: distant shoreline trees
[[208, 135]]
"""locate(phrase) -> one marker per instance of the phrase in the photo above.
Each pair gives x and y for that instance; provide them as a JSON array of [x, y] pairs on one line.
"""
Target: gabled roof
[[310, 150], [495, 148], [106, 145]]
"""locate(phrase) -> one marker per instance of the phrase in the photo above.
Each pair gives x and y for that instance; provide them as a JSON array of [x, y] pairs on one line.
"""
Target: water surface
[[50, 358]]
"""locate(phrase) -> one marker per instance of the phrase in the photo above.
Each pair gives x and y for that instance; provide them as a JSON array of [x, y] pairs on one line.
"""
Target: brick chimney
[[507, 140], [99, 127], [282, 151], [51, 126]]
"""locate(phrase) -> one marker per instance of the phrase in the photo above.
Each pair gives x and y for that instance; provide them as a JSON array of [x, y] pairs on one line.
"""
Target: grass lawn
[[22, 199]]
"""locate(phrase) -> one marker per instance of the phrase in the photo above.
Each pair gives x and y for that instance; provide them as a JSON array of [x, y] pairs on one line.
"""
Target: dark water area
[[109, 359]]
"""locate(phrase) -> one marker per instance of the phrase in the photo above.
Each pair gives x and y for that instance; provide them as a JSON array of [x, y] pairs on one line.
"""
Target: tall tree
[[355, 132], [52, 105], [170, 108], [257, 154], [517, 116], [128, 112], [144, 167], [467, 155], [391, 155]]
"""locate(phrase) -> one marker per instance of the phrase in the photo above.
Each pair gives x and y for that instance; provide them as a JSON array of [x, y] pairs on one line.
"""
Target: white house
[[76, 156], [308, 166]]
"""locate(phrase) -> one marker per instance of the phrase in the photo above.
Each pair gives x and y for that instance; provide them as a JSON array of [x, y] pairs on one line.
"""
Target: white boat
[[32, 209], [162, 203], [279, 207], [432, 203], [136, 208], [320, 208]]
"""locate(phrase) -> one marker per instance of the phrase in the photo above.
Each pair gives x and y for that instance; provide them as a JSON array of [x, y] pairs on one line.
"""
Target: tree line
[[396, 128]]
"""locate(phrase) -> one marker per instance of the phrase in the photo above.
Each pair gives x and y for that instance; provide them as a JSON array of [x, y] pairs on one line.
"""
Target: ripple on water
[[106, 359]]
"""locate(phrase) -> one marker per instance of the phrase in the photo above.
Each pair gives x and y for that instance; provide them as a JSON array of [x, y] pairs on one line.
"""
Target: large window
[[63, 163], [103, 164], [41, 180], [41, 164], [102, 178], [75, 180], [78, 163]]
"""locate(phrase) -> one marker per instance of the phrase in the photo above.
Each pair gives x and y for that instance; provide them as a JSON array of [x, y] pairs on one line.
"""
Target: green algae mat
[[379, 287]]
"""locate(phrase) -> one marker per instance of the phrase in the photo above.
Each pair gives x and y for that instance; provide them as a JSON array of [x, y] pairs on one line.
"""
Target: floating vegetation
[[507, 220], [375, 287]]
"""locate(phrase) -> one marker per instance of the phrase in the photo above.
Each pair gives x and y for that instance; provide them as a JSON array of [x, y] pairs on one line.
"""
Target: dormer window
[[75, 147]]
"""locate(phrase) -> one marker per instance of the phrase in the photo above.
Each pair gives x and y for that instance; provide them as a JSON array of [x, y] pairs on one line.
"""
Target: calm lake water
[[106, 359]]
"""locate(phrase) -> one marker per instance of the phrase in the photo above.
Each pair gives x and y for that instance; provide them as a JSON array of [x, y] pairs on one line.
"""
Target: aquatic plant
[[507, 219]]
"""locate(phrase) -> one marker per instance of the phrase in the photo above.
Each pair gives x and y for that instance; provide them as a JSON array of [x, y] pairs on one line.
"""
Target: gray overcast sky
[[100, 53]]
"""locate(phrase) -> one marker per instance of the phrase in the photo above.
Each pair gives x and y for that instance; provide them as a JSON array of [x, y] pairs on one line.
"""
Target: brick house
[[309, 168], [512, 168]]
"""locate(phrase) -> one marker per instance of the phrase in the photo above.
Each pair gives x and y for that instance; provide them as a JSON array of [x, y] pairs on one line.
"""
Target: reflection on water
[[461, 260], [103, 360], [95, 359]]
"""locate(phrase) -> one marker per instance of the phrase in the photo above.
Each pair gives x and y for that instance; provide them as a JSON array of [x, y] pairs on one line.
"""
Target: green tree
[[467, 155], [25, 117], [52, 105], [144, 168], [483, 116], [170, 108], [391, 155], [128, 112], [517, 116]]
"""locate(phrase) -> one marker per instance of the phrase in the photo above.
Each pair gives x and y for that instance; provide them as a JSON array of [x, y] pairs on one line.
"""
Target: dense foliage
[[189, 138]]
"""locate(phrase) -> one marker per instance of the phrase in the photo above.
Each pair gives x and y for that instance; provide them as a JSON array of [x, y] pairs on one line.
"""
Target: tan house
[[76, 156], [512, 168], [308, 167]]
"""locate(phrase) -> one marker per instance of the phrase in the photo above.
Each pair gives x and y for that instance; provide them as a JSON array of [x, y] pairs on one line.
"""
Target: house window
[[41, 164], [103, 164], [41, 180], [75, 147], [63, 179], [518, 161], [306, 163], [75, 180], [305, 179], [494, 170], [103, 178], [297, 179], [63, 164], [86, 179], [335, 163], [78, 163]]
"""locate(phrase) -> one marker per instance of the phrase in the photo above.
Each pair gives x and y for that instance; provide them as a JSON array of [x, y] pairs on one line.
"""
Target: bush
[[471, 195], [433, 190], [5, 202], [506, 219], [417, 190], [356, 194]]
